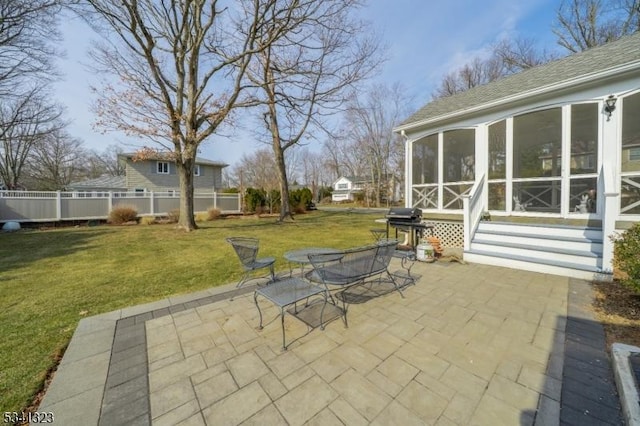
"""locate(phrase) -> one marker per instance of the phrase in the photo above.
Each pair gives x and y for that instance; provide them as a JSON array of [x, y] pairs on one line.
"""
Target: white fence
[[31, 206]]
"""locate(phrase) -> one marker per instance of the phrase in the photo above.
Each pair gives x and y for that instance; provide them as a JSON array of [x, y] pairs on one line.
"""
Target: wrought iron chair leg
[[255, 300]]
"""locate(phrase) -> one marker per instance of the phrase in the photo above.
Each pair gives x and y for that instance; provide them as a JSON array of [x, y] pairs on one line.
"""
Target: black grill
[[404, 216], [407, 220]]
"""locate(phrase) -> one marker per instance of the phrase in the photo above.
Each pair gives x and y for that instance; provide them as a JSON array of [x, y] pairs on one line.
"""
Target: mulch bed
[[618, 308]]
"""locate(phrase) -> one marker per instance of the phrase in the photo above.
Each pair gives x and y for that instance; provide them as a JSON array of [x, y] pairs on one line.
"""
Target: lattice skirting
[[451, 234]]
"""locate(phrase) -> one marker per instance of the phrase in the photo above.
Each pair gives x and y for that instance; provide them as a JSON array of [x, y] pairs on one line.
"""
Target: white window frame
[[196, 170], [162, 167]]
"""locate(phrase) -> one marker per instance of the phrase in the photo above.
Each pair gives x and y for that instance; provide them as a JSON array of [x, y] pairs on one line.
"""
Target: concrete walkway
[[467, 345]]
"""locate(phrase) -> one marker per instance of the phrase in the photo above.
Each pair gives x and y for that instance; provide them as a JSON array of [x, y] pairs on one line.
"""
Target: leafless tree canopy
[[56, 160], [180, 67], [303, 75], [583, 24], [27, 35], [104, 163], [373, 150], [24, 122]]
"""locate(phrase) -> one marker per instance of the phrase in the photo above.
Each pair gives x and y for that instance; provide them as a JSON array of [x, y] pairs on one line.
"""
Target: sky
[[425, 40]]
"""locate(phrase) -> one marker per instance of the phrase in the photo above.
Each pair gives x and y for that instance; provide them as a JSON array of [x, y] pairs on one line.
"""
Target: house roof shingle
[[104, 181], [612, 58], [202, 161]]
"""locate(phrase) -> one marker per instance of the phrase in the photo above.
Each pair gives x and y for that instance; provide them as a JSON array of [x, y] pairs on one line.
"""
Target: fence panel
[[83, 208], [228, 202], [142, 202], [28, 206], [165, 204], [24, 209]]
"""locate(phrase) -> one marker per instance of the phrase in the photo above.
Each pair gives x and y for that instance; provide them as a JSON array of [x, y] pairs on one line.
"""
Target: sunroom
[[553, 152]]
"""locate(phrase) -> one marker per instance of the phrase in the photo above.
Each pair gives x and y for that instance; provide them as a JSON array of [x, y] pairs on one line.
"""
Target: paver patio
[[467, 345]]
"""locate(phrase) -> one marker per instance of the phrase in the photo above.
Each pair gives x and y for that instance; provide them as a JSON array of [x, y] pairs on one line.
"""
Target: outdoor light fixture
[[610, 106]]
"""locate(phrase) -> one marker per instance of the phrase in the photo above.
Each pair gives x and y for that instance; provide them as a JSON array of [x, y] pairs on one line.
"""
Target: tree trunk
[[285, 208], [186, 220]]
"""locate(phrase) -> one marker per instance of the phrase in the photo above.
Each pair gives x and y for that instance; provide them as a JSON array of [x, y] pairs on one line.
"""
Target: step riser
[[553, 250], [591, 262], [534, 267], [541, 231], [586, 245]]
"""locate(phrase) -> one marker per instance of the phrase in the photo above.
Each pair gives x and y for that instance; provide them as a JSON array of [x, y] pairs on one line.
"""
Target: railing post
[[611, 200], [152, 209], [466, 220], [58, 206], [215, 200], [109, 203]]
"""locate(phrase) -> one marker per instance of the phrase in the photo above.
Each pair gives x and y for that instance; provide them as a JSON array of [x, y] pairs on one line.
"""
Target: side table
[[287, 292]]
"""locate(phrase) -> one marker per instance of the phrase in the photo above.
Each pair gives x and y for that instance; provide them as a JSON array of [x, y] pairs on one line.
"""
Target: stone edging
[[103, 376]]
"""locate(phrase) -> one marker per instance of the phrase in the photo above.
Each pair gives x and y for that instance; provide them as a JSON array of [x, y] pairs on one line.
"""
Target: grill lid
[[404, 214]]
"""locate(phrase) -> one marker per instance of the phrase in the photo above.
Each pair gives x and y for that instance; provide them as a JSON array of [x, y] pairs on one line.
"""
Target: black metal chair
[[247, 251]]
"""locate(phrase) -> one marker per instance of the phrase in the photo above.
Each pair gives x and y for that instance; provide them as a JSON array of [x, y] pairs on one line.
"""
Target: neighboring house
[[104, 183], [157, 175], [556, 146], [346, 187]]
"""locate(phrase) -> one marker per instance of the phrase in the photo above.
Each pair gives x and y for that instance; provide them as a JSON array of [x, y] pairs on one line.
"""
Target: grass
[[51, 279]]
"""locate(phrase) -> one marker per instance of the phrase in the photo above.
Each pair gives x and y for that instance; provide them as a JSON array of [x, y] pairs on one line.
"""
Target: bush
[[147, 220], [201, 216], [173, 216], [627, 257], [123, 214], [213, 213]]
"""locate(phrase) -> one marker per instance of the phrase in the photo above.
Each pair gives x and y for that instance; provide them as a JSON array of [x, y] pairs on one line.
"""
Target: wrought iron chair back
[[247, 251]]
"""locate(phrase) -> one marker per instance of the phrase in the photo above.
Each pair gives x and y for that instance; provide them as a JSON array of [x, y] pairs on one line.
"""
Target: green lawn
[[51, 279]]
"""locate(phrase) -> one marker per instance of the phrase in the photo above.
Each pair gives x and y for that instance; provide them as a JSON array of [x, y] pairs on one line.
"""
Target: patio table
[[301, 256], [288, 292]]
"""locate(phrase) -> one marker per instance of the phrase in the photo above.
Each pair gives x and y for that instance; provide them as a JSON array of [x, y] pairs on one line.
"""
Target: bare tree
[[583, 24], [24, 122], [105, 162], [258, 170], [303, 75], [519, 54], [370, 119], [313, 170], [56, 160], [27, 35], [180, 65], [474, 73]]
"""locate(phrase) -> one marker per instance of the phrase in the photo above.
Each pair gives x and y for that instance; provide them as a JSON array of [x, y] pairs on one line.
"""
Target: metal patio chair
[[247, 251]]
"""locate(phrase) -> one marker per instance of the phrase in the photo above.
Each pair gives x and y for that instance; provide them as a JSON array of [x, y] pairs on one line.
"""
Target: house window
[[196, 170], [163, 167], [343, 186], [634, 154]]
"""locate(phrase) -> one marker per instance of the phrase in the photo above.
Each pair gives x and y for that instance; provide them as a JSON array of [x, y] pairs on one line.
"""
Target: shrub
[[213, 213], [147, 220], [173, 216], [123, 214], [627, 257], [201, 216]]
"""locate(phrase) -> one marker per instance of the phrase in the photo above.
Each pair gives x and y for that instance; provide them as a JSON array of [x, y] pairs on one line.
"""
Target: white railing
[[53, 206], [473, 206], [609, 215]]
